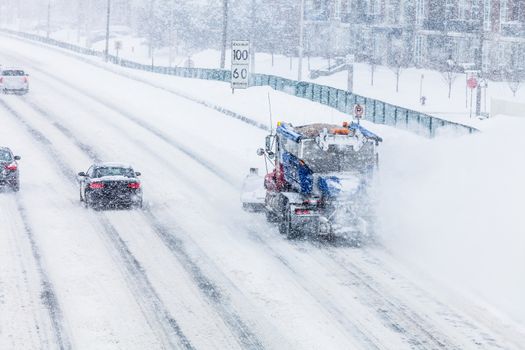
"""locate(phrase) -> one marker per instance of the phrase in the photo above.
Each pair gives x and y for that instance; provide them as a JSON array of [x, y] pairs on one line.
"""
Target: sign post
[[118, 46], [240, 69], [467, 67], [472, 83], [484, 85], [359, 111]]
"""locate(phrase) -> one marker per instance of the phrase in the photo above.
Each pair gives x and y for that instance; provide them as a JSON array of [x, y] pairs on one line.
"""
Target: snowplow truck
[[319, 184]]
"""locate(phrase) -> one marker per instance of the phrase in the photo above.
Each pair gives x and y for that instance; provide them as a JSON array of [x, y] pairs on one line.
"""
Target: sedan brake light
[[302, 211], [11, 167], [25, 79], [134, 185], [1, 80], [96, 185]]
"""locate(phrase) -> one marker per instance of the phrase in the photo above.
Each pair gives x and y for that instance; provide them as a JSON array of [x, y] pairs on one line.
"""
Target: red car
[[9, 172]]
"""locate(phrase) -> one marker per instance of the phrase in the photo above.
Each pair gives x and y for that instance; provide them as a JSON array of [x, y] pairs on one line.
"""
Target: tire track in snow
[[209, 289], [395, 314], [393, 308], [394, 317], [177, 338], [144, 292], [402, 317], [325, 302], [318, 292], [23, 289], [47, 294], [388, 316], [248, 339]]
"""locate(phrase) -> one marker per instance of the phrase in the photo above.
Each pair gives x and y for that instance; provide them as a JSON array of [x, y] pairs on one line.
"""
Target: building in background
[[422, 33]]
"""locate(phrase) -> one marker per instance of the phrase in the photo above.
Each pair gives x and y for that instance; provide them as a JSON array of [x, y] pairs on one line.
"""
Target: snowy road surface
[[191, 270]]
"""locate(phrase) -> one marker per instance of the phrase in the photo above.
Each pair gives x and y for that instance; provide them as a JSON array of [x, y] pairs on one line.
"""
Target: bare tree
[[372, 63], [514, 74], [449, 74], [514, 80], [397, 65]]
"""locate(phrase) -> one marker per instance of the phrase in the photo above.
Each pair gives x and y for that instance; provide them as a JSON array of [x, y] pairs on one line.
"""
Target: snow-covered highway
[[191, 270]]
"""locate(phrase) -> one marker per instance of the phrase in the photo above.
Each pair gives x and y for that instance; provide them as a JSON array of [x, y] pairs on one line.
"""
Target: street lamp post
[[301, 42], [106, 52], [450, 73], [479, 58], [252, 35], [48, 31], [224, 32], [171, 33]]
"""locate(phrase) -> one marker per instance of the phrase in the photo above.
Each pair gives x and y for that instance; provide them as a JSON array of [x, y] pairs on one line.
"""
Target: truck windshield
[[337, 158]]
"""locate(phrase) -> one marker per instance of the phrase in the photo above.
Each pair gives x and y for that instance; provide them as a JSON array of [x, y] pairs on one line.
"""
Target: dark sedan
[[9, 172], [110, 185]]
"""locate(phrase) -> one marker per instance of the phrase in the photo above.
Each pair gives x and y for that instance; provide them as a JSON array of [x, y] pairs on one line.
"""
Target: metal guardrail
[[375, 111]]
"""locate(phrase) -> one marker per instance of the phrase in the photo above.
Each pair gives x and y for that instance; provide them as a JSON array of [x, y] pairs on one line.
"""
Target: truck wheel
[[282, 227], [284, 222], [289, 231], [271, 217]]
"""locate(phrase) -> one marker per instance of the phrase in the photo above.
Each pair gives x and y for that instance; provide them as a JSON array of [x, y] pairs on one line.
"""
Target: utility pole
[[79, 21], [301, 43], [106, 52], [48, 31], [170, 34], [479, 60], [224, 32], [151, 34], [252, 35]]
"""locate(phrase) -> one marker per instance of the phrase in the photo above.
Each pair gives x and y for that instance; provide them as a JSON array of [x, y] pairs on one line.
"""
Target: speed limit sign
[[358, 111], [240, 64]]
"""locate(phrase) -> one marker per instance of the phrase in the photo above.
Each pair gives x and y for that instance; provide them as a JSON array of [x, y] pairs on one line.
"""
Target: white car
[[14, 80]]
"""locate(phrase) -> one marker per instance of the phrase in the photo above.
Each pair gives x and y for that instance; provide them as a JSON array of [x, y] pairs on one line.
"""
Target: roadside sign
[[472, 82], [240, 64], [358, 111], [118, 46], [483, 83]]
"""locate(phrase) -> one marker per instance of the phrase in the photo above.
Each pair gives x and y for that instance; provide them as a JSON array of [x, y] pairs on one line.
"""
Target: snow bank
[[499, 106], [454, 207]]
